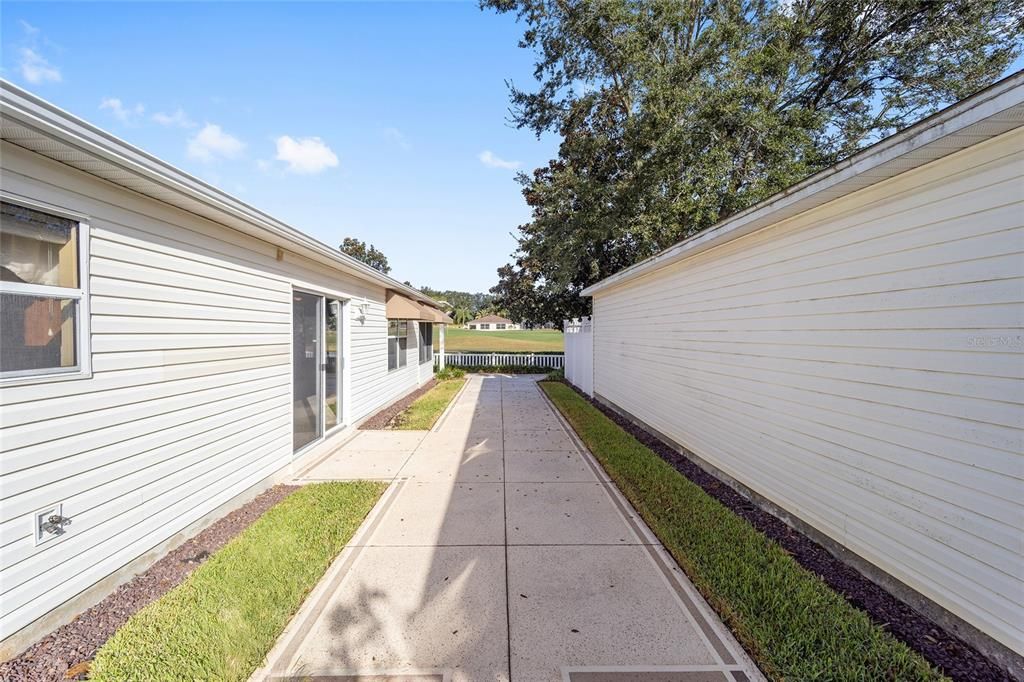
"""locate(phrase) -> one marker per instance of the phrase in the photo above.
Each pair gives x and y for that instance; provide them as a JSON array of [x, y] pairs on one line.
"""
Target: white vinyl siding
[[860, 366], [189, 403]]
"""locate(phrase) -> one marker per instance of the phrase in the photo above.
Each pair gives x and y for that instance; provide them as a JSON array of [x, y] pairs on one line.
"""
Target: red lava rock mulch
[[945, 651], [53, 657], [383, 419]]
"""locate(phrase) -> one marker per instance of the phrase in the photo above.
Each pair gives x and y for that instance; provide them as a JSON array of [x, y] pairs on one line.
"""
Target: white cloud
[[489, 159], [178, 119], [395, 137], [120, 111], [212, 143], [306, 155], [35, 69]]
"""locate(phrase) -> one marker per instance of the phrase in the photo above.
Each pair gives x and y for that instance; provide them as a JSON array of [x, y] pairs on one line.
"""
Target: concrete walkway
[[499, 552]]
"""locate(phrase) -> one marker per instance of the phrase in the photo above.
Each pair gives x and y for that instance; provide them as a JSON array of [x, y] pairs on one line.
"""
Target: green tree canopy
[[367, 254], [674, 114]]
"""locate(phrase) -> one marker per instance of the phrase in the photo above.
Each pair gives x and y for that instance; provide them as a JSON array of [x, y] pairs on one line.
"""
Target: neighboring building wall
[[860, 366], [190, 401]]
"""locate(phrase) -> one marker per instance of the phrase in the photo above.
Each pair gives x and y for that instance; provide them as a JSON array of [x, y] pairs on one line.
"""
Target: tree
[[369, 255], [462, 315], [674, 115], [474, 303]]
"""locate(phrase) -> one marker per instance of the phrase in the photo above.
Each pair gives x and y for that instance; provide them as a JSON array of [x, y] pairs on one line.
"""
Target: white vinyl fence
[[541, 361], [579, 353]]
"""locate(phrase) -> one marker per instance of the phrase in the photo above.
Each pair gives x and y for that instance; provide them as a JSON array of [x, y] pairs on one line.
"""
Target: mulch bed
[[69, 646], [953, 656], [383, 419]]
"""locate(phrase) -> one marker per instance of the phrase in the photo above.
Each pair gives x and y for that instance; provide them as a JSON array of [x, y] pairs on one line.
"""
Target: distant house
[[491, 323]]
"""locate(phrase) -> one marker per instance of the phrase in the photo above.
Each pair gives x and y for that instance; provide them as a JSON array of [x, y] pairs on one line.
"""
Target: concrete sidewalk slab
[[538, 465], [346, 464], [442, 514], [412, 609], [386, 441], [525, 441], [448, 465], [574, 606], [500, 552], [564, 514]]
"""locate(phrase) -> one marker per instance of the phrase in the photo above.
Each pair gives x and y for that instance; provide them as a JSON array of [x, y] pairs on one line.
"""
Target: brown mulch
[[954, 657], [383, 419], [65, 652]]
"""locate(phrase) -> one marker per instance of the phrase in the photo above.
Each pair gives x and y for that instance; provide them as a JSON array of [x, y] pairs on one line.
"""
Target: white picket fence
[[541, 361], [579, 353]]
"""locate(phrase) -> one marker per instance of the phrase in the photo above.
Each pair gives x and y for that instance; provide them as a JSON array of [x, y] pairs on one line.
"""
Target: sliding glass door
[[317, 361], [307, 386]]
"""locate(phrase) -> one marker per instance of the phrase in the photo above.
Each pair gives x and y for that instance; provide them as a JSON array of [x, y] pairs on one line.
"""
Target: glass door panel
[[332, 365], [307, 384]]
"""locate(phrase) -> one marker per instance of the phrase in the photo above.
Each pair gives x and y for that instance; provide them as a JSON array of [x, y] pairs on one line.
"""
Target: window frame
[[83, 317], [424, 345], [401, 343], [484, 326], [499, 326]]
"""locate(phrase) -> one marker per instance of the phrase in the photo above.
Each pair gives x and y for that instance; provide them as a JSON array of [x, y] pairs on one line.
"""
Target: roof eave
[[64, 128]]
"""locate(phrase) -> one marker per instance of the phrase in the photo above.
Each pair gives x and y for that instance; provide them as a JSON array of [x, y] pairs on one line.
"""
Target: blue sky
[[384, 121]]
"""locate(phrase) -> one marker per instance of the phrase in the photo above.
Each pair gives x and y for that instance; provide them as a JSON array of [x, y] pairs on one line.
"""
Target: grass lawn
[[221, 622], [422, 414], [789, 620], [506, 341]]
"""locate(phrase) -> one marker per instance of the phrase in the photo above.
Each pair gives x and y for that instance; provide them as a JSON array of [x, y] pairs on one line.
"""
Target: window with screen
[[41, 293], [426, 342], [398, 343]]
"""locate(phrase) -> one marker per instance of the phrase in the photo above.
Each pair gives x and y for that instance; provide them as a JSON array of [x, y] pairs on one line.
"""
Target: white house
[[491, 323], [167, 352], [849, 352]]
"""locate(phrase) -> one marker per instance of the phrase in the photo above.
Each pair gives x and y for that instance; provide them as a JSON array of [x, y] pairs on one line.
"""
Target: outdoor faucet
[[55, 524]]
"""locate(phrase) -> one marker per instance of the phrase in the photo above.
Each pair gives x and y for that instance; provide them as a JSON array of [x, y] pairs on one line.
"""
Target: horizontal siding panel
[[860, 366], [136, 272], [162, 293], [129, 307], [831, 397], [106, 380], [1004, 462], [904, 474], [84, 431], [111, 324], [896, 349], [94, 507], [116, 343], [173, 263], [123, 532], [150, 398], [176, 360], [66, 478]]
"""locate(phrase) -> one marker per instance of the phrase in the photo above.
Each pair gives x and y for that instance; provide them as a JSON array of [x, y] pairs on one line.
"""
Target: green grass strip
[[791, 622], [222, 620], [422, 414]]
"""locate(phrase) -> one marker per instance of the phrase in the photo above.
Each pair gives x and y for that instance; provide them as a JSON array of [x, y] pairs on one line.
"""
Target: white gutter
[[879, 157], [20, 106]]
